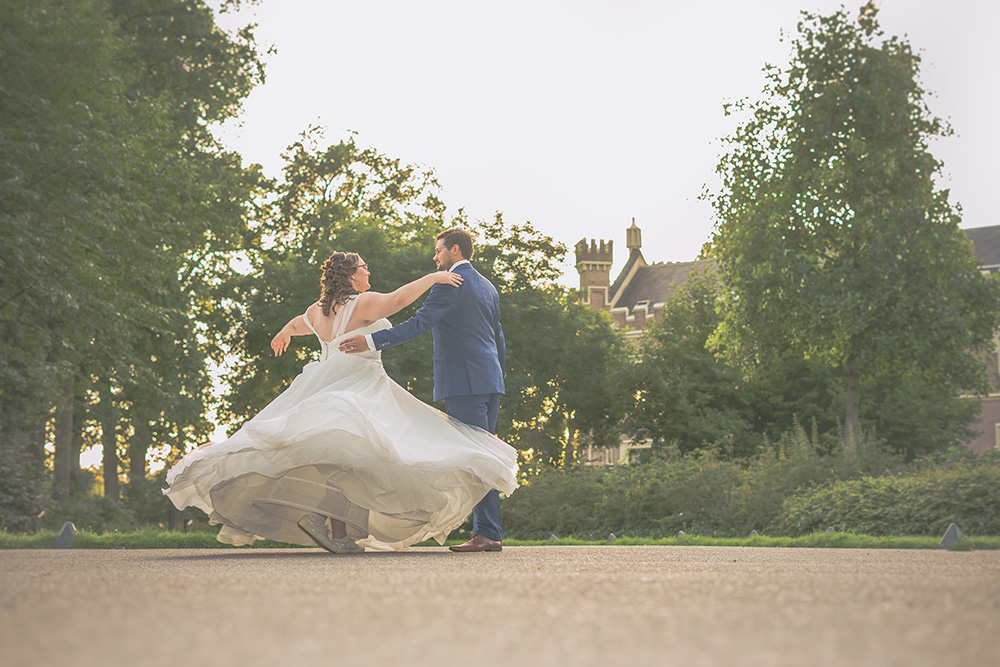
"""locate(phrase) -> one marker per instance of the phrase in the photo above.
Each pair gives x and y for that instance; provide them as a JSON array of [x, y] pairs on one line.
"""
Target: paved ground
[[530, 605]]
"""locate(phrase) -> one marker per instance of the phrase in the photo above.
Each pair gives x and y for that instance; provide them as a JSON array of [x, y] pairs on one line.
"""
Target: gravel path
[[602, 605]]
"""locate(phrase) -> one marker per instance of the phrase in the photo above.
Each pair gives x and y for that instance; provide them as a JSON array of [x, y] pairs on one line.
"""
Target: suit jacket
[[469, 349]]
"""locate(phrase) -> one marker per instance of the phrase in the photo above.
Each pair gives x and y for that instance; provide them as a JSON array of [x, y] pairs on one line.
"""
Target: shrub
[[800, 460], [706, 492], [960, 488]]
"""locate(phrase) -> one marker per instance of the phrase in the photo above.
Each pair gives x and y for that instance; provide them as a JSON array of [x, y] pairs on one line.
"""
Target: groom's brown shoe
[[479, 543]]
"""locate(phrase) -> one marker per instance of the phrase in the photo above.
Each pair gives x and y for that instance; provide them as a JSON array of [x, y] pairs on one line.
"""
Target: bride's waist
[[378, 325], [334, 354]]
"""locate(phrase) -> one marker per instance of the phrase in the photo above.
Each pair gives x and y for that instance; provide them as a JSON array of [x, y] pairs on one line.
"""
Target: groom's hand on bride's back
[[354, 344]]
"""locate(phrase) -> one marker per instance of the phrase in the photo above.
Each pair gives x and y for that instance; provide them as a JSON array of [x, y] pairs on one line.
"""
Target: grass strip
[[154, 538], [146, 538]]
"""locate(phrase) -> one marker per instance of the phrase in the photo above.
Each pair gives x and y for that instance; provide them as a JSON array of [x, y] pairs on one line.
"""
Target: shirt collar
[[460, 263]]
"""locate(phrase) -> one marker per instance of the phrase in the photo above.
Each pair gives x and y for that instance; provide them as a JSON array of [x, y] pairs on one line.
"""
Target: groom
[[469, 357]]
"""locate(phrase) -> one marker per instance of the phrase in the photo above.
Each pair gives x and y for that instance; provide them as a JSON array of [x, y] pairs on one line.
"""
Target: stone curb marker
[[951, 536], [65, 536]]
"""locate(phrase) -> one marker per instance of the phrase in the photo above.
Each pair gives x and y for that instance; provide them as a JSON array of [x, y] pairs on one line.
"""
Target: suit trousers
[[480, 410]]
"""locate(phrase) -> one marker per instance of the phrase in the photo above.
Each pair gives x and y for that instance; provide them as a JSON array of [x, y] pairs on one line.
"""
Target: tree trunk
[[62, 460], [137, 447], [109, 443], [110, 459], [79, 420], [852, 422]]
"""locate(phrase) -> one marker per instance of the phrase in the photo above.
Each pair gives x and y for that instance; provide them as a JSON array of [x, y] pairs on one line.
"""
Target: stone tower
[[593, 263]]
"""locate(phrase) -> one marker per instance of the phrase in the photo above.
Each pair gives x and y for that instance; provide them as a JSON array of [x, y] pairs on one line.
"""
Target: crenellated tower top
[[593, 262]]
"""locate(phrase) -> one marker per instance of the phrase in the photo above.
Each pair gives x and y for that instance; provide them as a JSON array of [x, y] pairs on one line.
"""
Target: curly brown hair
[[335, 284]]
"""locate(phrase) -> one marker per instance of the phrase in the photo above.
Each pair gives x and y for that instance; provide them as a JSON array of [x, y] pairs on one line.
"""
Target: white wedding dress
[[345, 441]]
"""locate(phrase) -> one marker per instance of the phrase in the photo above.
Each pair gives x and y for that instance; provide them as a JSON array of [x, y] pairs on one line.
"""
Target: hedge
[[797, 487], [923, 502]]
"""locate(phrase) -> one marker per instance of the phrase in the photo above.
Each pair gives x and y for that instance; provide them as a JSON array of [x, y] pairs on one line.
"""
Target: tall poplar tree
[[831, 236]]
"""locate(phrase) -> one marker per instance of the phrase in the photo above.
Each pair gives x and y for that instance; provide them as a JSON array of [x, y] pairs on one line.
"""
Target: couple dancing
[[345, 457]]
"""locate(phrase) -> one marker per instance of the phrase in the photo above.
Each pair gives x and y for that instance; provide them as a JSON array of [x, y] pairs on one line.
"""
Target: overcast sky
[[579, 115]]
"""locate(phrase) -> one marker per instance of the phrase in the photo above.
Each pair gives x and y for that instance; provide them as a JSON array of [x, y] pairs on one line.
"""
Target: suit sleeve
[[501, 350], [435, 307]]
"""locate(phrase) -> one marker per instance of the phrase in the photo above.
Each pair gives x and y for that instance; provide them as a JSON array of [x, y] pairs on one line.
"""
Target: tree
[[115, 211], [831, 237], [67, 150]]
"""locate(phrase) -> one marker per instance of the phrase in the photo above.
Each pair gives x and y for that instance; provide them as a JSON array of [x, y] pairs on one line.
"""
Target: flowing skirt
[[347, 442]]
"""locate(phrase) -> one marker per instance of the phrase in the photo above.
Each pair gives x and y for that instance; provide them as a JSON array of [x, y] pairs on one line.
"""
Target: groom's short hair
[[460, 237]]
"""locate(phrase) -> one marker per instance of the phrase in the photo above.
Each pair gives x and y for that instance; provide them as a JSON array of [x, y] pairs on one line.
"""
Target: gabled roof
[[634, 258], [986, 245], [654, 282]]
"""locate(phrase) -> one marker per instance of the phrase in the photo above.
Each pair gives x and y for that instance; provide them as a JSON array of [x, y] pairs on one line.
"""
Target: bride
[[345, 457]]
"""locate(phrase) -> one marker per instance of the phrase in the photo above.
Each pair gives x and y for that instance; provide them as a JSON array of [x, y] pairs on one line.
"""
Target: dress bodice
[[330, 347]]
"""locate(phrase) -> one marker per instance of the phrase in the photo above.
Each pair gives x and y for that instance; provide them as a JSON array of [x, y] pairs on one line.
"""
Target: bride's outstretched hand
[[447, 278], [280, 342]]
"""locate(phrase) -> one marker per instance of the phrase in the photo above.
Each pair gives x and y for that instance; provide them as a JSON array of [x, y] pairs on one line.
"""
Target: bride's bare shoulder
[[362, 302], [314, 311]]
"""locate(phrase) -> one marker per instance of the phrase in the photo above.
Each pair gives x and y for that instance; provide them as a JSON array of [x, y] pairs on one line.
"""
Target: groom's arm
[[435, 307]]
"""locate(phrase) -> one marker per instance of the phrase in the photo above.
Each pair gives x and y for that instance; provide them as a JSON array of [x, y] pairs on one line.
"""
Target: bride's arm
[[375, 305], [295, 327]]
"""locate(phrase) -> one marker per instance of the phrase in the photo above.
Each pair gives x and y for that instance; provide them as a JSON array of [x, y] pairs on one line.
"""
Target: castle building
[[640, 290]]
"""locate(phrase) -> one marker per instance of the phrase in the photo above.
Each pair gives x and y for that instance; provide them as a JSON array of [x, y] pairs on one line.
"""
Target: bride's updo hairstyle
[[336, 282]]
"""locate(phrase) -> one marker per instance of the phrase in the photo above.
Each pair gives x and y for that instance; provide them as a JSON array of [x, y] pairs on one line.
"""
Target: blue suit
[[469, 362]]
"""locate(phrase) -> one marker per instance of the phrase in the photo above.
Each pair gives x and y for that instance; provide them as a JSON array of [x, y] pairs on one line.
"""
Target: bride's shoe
[[321, 536], [346, 545]]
